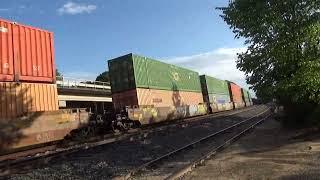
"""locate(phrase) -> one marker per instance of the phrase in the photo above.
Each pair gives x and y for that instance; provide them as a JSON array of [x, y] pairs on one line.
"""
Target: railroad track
[[12, 166], [117, 136], [187, 157]]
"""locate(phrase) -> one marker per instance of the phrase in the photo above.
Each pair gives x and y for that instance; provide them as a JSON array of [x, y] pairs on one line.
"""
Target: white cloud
[[219, 63], [3, 9], [76, 8]]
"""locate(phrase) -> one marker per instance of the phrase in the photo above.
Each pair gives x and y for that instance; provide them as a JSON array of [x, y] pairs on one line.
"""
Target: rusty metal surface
[[221, 107], [40, 127], [238, 105], [127, 98], [150, 115]]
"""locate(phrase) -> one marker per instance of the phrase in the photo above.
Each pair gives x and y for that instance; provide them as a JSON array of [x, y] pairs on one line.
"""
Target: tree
[[59, 76], [283, 56], [103, 77]]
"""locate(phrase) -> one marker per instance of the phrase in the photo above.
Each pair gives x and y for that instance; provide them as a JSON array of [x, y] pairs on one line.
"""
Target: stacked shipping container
[[216, 93], [146, 83], [236, 95], [132, 71], [27, 69], [26, 54], [18, 100], [29, 111], [246, 97]]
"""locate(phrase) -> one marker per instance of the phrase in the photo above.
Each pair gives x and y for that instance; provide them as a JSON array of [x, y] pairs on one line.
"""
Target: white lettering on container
[[3, 30], [36, 68], [6, 66]]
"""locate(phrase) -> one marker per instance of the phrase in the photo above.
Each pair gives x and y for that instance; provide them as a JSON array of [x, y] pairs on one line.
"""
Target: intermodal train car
[[216, 94], [149, 91], [236, 95], [154, 91], [29, 112], [246, 97]]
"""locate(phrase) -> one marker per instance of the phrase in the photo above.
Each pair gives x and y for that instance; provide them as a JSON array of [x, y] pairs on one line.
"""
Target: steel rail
[[190, 145], [180, 173]]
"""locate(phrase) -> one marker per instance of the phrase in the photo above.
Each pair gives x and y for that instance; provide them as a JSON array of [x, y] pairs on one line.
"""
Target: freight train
[[144, 91], [155, 91]]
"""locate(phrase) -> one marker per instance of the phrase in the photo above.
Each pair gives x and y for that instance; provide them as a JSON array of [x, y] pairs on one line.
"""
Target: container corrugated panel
[[155, 98], [165, 98], [6, 52], [40, 127], [27, 53], [236, 93], [123, 99], [149, 73], [214, 85], [158, 75], [121, 74], [150, 115], [216, 93], [33, 54], [246, 97], [219, 98], [249, 98], [20, 99]]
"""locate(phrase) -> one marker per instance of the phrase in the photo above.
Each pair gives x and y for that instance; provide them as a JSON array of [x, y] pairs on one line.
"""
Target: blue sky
[[189, 33]]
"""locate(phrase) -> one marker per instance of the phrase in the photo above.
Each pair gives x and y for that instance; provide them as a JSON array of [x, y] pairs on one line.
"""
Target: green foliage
[[103, 77], [58, 75], [283, 39]]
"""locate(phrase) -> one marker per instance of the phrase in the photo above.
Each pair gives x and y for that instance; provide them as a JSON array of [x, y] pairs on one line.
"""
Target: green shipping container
[[211, 85], [132, 71], [246, 96]]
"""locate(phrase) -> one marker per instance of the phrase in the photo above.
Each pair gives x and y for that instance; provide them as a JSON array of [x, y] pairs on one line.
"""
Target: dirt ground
[[268, 152]]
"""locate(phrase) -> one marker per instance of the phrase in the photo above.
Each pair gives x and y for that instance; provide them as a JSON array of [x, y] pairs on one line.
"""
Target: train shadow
[[15, 115]]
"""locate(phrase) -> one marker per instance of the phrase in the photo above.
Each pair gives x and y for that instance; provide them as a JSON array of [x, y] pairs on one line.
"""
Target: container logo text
[[175, 76], [3, 29], [6, 66], [36, 68]]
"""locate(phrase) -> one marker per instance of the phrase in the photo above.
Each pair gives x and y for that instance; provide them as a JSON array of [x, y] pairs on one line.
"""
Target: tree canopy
[[58, 75], [283, 39], [103, 77]]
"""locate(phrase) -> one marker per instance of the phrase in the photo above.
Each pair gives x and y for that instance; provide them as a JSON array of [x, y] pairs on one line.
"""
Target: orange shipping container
[[236, 93], [26, 53], [6, 52], [20, 99], [156, 98]]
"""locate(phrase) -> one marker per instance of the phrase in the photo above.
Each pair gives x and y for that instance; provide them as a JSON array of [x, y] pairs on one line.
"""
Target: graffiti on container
[[157, 100], [221, 101], [193, 110], [181, 111], [45, 137], [66, 118], [143, 113], [175, 76], [202, 109]]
